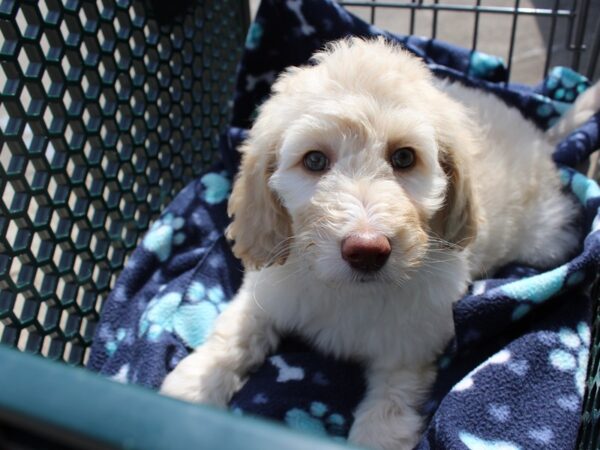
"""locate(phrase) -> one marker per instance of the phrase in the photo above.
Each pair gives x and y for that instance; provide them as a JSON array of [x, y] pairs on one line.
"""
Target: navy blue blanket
[[513, 377]]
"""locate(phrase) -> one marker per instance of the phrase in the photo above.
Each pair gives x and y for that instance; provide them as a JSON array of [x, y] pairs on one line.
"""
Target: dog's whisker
[[291, 274], [253, 293], [282, 245]]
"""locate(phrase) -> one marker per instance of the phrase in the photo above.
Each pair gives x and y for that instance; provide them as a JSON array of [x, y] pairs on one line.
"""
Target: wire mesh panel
[[104, 115], [531, 35], [589, 432]]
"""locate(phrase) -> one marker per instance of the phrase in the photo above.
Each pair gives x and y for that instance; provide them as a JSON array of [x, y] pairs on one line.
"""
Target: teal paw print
[[197, 317], [317, 421], [584, 188], [254, 36], [564, 84], [112, 344], [534, 290], [484, 66], [192, 321], [216, 187], [572, 356], [549, 110], [159, 314], [163, 235]]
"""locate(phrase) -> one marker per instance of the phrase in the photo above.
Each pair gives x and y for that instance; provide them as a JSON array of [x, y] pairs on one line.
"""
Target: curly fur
[[483, 191]]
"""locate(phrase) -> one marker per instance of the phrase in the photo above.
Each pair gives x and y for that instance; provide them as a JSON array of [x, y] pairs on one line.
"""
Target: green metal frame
[[99, 413]]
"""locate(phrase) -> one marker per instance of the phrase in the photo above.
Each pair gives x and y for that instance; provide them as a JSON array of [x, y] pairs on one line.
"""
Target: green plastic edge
[[73, 400]]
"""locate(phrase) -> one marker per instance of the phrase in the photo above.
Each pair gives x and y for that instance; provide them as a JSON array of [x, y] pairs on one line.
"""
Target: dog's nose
[[366, 254]]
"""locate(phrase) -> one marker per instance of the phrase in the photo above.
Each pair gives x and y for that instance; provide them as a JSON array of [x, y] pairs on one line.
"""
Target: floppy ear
[[457, 221], [260, 223]]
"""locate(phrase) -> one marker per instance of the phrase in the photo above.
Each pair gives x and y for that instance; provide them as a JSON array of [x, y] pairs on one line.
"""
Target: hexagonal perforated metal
[[104, 115], [589, 431]]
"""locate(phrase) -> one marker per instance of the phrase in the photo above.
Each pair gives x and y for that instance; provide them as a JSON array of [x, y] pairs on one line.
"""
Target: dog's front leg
[[242, 337], [388, 417]]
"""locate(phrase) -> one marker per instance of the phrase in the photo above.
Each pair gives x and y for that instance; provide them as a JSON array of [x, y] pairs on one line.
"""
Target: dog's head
[[356, 166]]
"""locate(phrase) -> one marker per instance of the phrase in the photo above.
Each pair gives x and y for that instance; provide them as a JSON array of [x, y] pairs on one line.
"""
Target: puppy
[[369, 195]]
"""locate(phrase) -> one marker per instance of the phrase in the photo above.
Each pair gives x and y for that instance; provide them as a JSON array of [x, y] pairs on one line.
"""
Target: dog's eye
[[403, 158], [316, 161]]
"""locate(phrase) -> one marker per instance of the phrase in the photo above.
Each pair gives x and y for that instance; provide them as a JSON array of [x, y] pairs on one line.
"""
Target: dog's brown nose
[[366, 254]]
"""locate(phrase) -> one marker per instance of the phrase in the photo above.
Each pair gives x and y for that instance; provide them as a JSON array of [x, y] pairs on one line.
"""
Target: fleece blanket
[[514, 375]]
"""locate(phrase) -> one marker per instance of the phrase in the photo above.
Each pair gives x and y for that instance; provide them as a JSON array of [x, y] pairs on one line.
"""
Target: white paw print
[[572, 355]]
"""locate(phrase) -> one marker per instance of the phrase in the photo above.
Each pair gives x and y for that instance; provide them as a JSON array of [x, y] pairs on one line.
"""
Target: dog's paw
[[385, 428], [201, 378]]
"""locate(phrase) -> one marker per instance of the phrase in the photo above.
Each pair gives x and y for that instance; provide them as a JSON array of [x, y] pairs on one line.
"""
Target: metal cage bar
[[574, 14], [434, 21], [551, 38], [594, 53], [476, 27], [413, 5], [577, 46], [513, 33]]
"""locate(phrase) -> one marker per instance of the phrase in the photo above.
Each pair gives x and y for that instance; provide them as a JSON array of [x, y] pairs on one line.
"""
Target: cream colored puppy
[[368, 197]]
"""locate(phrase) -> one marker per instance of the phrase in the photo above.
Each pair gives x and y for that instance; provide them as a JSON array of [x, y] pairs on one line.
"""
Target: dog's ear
[[457, 221], [261, 225]]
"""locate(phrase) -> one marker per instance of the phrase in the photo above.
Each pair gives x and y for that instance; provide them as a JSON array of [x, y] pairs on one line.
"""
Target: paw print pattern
[[548, 110], [163, 235], [112, 339], [572, 355], [317, 421], [295, 6], [254, 36], [197, 317], [158, 316], [539, 288], [534, 290], [191, 320], [485, 66], [564, 84], [500, 358], [216, 187], [111, 345], [584, 188], [473, 442], [561, 88]]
